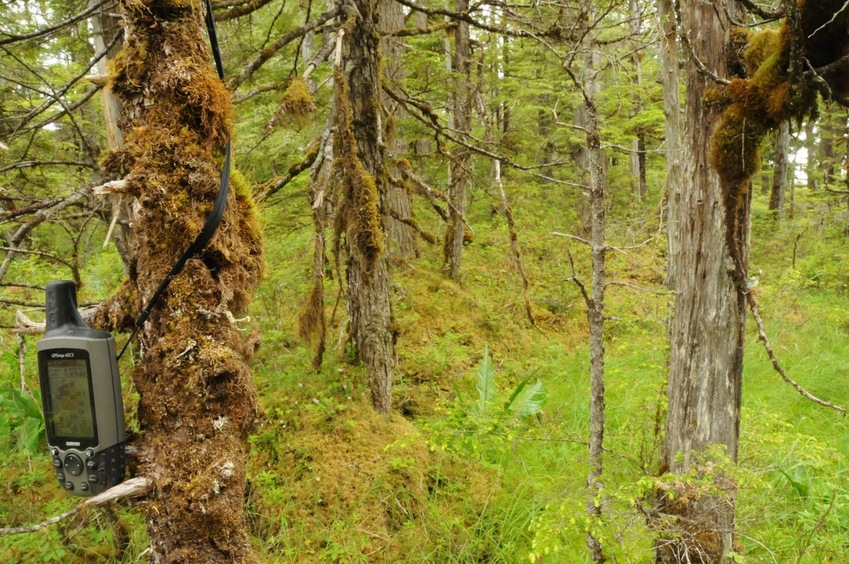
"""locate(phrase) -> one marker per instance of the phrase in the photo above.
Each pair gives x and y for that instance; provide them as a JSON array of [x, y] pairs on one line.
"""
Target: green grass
[[330, 482]]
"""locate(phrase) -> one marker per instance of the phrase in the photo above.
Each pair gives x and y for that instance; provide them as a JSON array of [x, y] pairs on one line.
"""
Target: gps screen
[[71, 414]]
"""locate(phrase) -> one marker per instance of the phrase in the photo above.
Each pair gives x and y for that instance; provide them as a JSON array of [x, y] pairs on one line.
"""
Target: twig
[[427, 116], [573, 237], [11, 38], [796, 246], [31, 164], [514, 242], [112, 223], [574, 278], [760, 12], [640, 288], [826, 24], [111, 187], [133, 487], [688, 49], [762, 336], [268, 52], [41, 216]]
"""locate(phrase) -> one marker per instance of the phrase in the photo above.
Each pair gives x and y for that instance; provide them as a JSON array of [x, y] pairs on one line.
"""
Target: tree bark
[[779, 178], [360, 150], [595, 315], [197, 404], [595, 299], [672, 128], [104, 27], [810, 148], [402, 237], [706, 348], [638, 144], [455, 235], [826, 152]]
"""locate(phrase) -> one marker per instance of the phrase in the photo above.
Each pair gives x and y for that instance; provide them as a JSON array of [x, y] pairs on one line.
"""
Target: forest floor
[[456, 477]]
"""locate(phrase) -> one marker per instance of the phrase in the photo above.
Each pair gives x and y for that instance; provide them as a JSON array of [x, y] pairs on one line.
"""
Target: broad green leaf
[[801, 488], [526, 401], [486, 381]]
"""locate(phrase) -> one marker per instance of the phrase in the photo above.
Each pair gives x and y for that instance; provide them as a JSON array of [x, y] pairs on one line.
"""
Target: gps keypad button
[[73, 464]]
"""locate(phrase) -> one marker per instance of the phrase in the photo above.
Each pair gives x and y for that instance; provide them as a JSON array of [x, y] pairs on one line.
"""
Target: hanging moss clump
[[768, 92], [296, 106]]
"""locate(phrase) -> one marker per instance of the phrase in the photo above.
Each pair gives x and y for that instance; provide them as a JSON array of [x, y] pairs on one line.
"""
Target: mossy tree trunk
[[360, 152], [196, 400], [706, 337]]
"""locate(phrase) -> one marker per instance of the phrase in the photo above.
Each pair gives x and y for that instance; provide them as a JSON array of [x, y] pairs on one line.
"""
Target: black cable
[[213, 219]]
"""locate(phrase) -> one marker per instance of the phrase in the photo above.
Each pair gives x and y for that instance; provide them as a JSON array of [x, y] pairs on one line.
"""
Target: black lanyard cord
[[212, 220]]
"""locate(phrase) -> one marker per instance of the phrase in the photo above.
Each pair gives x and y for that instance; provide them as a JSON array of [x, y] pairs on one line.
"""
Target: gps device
[[81, 395]]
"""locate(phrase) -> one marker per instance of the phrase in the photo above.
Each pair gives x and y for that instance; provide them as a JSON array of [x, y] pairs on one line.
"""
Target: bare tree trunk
[[672, 128], [595, 302], [581, 154], [595, 315], [360, 150], [810, 163], [197, 404], [402, 237], [638, 144], [706, 348], [827, 134], [846, 181], [104, 27], [462, 102], [779, 177]]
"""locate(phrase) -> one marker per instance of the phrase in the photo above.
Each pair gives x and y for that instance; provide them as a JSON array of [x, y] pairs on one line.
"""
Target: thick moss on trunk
[[360, 161], [197, 404]]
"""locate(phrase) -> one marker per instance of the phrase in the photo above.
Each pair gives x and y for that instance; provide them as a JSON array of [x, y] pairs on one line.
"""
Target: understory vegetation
[[489, 147], [484, 459]]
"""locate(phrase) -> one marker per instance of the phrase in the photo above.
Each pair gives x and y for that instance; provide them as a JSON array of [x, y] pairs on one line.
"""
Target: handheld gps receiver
[[81, 395]]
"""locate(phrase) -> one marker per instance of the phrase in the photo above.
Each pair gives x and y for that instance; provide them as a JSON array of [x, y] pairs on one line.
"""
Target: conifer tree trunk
[[401, 236], [638, 144], [595, 315], [826, 150], [706, 348], [672, 127], [360, 151], [460, 156], [811, 162], [196, 400], [779, 178]]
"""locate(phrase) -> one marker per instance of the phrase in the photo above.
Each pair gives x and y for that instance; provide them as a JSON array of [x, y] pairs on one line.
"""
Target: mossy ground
[[329, 481]]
